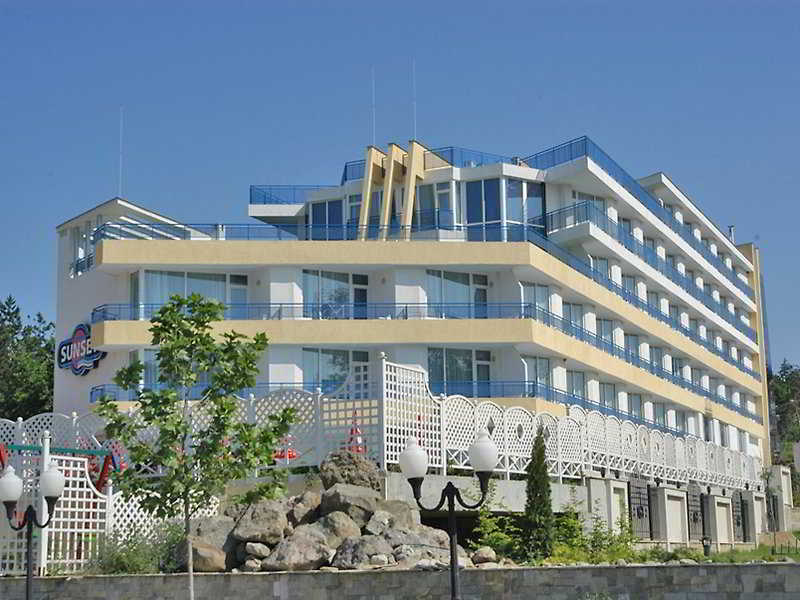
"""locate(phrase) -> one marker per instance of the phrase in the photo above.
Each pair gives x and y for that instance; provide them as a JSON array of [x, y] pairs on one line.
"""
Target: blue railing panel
[[283, 194]]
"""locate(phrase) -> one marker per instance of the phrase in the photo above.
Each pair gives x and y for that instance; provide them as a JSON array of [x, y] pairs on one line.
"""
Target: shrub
[[499, 532], [537, 521], [134, 553]]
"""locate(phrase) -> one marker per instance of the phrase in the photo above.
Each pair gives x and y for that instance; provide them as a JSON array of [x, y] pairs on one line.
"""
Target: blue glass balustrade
[[117, 394], [283, 194], [587, 212], [584, 146], [337, 311]]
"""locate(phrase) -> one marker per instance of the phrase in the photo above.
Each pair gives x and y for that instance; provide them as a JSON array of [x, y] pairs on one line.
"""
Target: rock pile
[[346, 527]]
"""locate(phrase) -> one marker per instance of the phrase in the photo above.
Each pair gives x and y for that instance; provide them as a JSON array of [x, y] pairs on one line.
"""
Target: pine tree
[[537, 522]]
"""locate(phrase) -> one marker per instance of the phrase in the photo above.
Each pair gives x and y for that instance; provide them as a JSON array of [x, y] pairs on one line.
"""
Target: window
[[534, 202], [160, 286], [573, 313], [537, 296], [635, 404], [451, 296], [354, 209], [626, 225], [742, 441], [601, 265], [327, 368], [483, 207], [671, 260], [598, 202], [652, 299], [650, 243], [459, 371], [576, 383], [605, 330], [680, 420], [657, 356], [608, 395], [629, 283], [514, 204], [660, 413], [238, 297], [326, 219], [425, 207], [694, 325], [327, 294], [538, 370], [677, 366], [724, 437], [697, 377], [632, 345], [674, 313], [209, 285]]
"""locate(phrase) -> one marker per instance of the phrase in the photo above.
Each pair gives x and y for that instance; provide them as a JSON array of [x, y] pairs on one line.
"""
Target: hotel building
[[545, 281]]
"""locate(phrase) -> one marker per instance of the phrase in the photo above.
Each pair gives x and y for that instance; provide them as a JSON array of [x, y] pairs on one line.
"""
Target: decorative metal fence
[[378, 407]]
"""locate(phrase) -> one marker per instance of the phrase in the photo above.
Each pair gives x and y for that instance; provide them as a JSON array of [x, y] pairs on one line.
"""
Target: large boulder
[[304, 508], [205, 557], [403, 514], [357, 551], [346, 467], [303, 551], [355, 501], [264, 522], [484, 554], [334, 527]]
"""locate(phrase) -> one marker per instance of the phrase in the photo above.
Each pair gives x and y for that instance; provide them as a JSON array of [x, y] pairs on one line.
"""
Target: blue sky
[[221, 95]]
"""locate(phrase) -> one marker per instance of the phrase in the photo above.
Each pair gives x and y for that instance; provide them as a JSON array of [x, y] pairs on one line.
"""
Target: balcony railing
[[584, 146], [117, 394], [586, 212], [335, 311], [283, 194], [464, 157]]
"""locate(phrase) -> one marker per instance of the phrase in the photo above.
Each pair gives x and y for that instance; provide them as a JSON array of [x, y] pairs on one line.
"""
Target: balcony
[[584, 146], [283, 194], [408, 311], [585, 212], [117, 394]]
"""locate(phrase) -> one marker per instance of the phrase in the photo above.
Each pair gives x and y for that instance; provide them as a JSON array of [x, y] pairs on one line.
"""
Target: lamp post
[[414, 464], [51, 485]]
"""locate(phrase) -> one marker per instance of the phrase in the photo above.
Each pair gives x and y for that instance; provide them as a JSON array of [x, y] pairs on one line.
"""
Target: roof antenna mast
[[119, 174], [414, 93], [373, 105]]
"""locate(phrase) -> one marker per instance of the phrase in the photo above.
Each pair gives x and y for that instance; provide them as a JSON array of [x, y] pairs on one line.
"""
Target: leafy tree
[[784, 394], [27, 351], [537, 521], [196, 456]]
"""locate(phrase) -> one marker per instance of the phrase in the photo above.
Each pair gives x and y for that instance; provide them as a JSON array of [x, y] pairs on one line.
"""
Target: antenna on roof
[[119, 174], [373, 105], [414, 93]]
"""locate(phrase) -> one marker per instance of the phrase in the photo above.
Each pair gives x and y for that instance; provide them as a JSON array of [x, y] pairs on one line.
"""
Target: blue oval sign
[[77, 352]]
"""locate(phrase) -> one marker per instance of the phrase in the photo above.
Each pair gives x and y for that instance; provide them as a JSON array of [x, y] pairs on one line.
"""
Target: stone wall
[[709, 582]]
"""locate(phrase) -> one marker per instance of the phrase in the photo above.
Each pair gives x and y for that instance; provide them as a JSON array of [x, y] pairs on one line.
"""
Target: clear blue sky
[[221, 95]]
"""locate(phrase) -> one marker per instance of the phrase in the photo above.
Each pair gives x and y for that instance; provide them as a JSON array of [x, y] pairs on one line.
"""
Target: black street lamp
[[51, 485], [414, 464]]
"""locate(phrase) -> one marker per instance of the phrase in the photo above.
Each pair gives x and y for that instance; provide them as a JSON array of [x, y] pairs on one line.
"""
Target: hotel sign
[[77, 353]]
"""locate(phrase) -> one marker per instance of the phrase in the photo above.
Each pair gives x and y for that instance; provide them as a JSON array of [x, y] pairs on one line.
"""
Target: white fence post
[[109, 521], [320, 450], [443, 432], [40, 505], [382, 412]]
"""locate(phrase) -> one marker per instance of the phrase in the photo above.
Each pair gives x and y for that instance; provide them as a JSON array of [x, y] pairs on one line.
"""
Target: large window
[[159, 286], [327, 294], [483, 210], [327, 368], [573, 313], [537, 296], [538, 371], [657, 356], [459, 371], [635, 404], [632, 345], [327, 219], [660, 413], [456, 295], [576, 383], [605, 330], [433, 208], [597, 202], [608, 395], [535, 204]]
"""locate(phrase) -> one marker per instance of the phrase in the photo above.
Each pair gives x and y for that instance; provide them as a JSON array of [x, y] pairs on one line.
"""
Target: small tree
[[537, 521], [196, 456]]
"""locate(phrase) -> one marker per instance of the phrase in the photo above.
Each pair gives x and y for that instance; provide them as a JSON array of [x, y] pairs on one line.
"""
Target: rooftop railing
[[353, 170], [464, 157], [346, 311], [586, 212], [584, 146], [283, 194]]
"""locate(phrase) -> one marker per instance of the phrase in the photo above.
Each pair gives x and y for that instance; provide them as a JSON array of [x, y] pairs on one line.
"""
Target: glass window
[[319, 213], [605, 330], [677, 366], [134, 288], [629, 283], [426, 206], [491, 196], [650, 243], [573, 313], [160, 286], [536, 295], [360, 279], [514, 209], [601, 265], [742, 441], [608, 395], [632, 344], [576, 383], [534, 200], [443, 203], [326, 368], [626, 225], [673, 313], [335, 213], [652, 299], [680, 420], [209, 285], [660, 413], [671, 260], [436, 364], [474, 202], [635, 404], [151, 370], [354, 209], [657, 356], [538, 369], [458, 364]]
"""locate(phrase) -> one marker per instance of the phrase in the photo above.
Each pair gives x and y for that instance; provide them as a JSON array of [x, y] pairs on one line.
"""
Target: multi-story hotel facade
[[532, 281], [544, 282]]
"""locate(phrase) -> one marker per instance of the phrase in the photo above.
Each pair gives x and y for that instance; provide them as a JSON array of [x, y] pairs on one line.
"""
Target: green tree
[[784, 395], [537, 522], [198, 445], [27, 351]]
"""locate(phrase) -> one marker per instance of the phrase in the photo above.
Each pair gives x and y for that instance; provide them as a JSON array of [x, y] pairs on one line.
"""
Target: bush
[[499, 532], [134, 553]]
